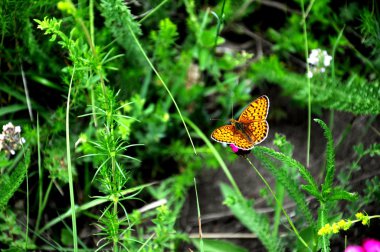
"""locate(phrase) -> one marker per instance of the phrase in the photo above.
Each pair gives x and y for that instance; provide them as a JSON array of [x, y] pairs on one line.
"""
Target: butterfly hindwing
[[259, 129], [230, 135]]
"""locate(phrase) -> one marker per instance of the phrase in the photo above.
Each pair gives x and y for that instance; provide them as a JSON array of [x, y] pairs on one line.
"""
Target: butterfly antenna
[[232, 99]]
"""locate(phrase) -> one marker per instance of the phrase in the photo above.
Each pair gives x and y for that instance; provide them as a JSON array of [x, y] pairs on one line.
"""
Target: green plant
[[114, 86], [326, 194]]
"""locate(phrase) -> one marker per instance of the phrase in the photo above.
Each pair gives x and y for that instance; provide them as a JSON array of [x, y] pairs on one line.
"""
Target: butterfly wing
[[256, 110], [228, 134], [258, 131]]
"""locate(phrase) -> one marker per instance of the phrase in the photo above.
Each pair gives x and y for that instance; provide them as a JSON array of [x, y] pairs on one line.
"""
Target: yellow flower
[[335, 228], [362, 217], [345, 225], [326, 229], [359, 216]]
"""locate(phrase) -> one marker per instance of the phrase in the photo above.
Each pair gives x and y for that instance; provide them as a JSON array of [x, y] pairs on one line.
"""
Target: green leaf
[[285, 179], [291, 163], [10, 184], [340, 194], [210, 245], [118, 18], [255, 222], [330, 157], [309, 236], [311, 190], [12, 109]]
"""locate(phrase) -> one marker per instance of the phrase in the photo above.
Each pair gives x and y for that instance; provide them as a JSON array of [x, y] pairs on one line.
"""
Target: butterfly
[[250, 129]]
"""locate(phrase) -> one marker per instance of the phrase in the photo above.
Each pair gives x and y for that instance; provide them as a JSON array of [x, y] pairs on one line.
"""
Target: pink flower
[[234, 148], [371, 245], [354, 248]]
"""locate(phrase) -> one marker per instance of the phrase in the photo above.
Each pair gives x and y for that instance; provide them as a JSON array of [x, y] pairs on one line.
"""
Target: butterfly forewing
[[256, 110], [224, 134]]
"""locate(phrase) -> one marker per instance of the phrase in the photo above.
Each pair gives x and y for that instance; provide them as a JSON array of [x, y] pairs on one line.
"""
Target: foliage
[[326, 194], [141, 72], [12, 233], [356, 95], [10, 182], [254, 221]]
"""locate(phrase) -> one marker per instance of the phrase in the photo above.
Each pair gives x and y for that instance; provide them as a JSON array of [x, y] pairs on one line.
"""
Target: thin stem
[[163, 83], [277, 201], [40, 177], [220, 23], [91, 17], [44, 202], [152, 11], [321, 220], [92, 36], [308, 86], [27, 208], [201, 245], [70, 169]]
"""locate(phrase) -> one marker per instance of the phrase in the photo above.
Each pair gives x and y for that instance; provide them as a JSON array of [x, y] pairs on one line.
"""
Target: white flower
[[17, 129], [327, 60], [10, 139], [8, 126], [318, 60], [310, 74], [314, 56]]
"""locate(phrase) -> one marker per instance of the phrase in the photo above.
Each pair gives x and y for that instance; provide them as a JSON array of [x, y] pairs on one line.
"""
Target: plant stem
[[220, 23], [163, 83], [27, 208], [152, 11], [69, 169], [308, 86], [40, 177], [277, 201], [201, 245]]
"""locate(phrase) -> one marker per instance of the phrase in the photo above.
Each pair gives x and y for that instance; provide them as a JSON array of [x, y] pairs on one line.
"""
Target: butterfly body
[[250, 129], [243, 128]]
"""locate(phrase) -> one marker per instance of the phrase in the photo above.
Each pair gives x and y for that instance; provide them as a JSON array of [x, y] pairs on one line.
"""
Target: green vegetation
[[106, 107]]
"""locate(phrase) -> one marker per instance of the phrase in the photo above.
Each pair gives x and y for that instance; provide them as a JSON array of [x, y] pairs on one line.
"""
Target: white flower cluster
[[10, 139], [318, 60]]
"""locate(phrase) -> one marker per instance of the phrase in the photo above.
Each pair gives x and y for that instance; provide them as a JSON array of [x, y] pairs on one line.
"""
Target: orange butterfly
[[250, 129]]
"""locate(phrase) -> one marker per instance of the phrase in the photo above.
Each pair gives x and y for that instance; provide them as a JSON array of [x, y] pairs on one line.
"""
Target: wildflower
[[354, 248], [319, 60], [234, 148], [10, 139], [369, 245], [345, 225], [335, 227], [238, 151], [326, 229], [364, 218]]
